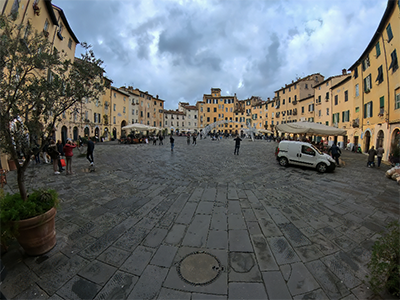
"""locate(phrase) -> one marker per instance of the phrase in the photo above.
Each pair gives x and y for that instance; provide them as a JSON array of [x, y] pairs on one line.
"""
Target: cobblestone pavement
[[203, 223]]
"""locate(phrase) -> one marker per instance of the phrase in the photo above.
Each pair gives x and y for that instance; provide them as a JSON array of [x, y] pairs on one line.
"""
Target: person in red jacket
[[68, 147]]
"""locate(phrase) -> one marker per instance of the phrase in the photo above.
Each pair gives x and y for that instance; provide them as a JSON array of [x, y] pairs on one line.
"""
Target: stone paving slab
[[278, 233]]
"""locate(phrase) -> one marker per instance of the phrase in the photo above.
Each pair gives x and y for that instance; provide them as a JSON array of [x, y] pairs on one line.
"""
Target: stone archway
[[123, 132], [64, 134], [75, 133], [379, 139], [367, 140]]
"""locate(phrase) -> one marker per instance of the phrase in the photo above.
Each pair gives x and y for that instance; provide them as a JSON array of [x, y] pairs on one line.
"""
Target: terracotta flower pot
[[37, 235]]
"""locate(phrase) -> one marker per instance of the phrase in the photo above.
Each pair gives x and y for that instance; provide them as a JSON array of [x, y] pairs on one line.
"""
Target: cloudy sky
[[180, 49]]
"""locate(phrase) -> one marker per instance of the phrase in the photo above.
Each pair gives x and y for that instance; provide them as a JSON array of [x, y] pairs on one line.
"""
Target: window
[[357, 90], [306, 86], [208, 119], [365, 63], [14, 9], [356, 72], [346, 116], [397, 101], [346, 96], [307, 150], [114, 120], [115, 95], [302, 109], [215, 109], [115, 107], [283, 102], [327, 96], [208, 109], [394, 64], [319, 99], [290, 99], [368, 110], [378, 49], [336, 100], [367, 83], [327, 111], [389, 32], [381, 105], [335, 119], [123, 109], [319, 113], [380, 75]]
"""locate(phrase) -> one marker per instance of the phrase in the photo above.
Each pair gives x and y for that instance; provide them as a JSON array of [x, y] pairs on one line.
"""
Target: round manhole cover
[[199, 268]]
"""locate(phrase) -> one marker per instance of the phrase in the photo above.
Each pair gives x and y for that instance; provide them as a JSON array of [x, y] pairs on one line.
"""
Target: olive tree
[[37, 85]]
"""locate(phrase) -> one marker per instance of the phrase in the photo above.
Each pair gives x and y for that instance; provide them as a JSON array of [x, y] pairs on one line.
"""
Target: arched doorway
[[367, 140], [75, 133], [115, 133], [64, 134], [123, 123], [87, 131], [97, 132], [379, 139]]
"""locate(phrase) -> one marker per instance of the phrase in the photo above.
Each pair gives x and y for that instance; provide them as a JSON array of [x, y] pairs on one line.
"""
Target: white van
[[304, 154]]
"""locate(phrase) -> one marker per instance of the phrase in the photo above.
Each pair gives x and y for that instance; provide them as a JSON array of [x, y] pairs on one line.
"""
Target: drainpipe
[[388, 99]]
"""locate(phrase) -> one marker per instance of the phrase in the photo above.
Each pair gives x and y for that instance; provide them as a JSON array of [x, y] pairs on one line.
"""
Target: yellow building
[[217, 108], [294, 102], [119, 115], [376, 82], [342, 110]]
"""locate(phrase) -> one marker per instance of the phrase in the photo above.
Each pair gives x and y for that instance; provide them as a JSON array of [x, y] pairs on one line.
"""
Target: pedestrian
[[36, 151], [160, 138], [237, 145], [335, 152], [68, 147], [379, 155], [188, 138], [171, 140], [89, 151], [54, 154], [371, 157], [61, 151], [154, 140], [194, 139]]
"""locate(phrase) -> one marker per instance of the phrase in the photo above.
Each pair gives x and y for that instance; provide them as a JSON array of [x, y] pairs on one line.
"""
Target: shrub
[[385, 262]]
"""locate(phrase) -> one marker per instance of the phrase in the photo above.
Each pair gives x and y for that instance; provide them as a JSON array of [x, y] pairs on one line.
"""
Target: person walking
[[89, 151], [44, 152], [371, 157], [188, 138], [68, 147], [379, 155], [171, 140], [237, 145], [55, 155], [335, 152], [194, 139], [61, 151], [160, 138]]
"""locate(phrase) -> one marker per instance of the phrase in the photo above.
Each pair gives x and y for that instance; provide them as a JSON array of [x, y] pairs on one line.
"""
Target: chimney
[[344, 72], [156, 96]]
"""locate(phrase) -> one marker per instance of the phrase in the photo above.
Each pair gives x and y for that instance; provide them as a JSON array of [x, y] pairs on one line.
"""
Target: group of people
[[371, 156], [57, 150]]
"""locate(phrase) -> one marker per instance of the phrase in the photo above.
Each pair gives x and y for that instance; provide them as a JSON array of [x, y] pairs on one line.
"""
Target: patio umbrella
[[264, 131], [137, 126], [310, 128]]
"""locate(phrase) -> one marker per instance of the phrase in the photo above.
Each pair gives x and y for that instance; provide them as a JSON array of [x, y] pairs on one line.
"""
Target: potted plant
[[39, 85], [385, 262]]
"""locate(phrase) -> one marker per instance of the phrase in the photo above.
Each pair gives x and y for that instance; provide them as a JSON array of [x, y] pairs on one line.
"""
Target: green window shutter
[[342, 116], [365, 111], [371, 114], [382, 101]]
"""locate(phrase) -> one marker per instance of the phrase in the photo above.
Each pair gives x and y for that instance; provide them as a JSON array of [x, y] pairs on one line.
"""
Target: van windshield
[[316, 149]]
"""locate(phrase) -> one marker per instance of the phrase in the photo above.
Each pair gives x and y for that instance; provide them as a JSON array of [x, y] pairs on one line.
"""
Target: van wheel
[[321, 168], [283, 161]]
